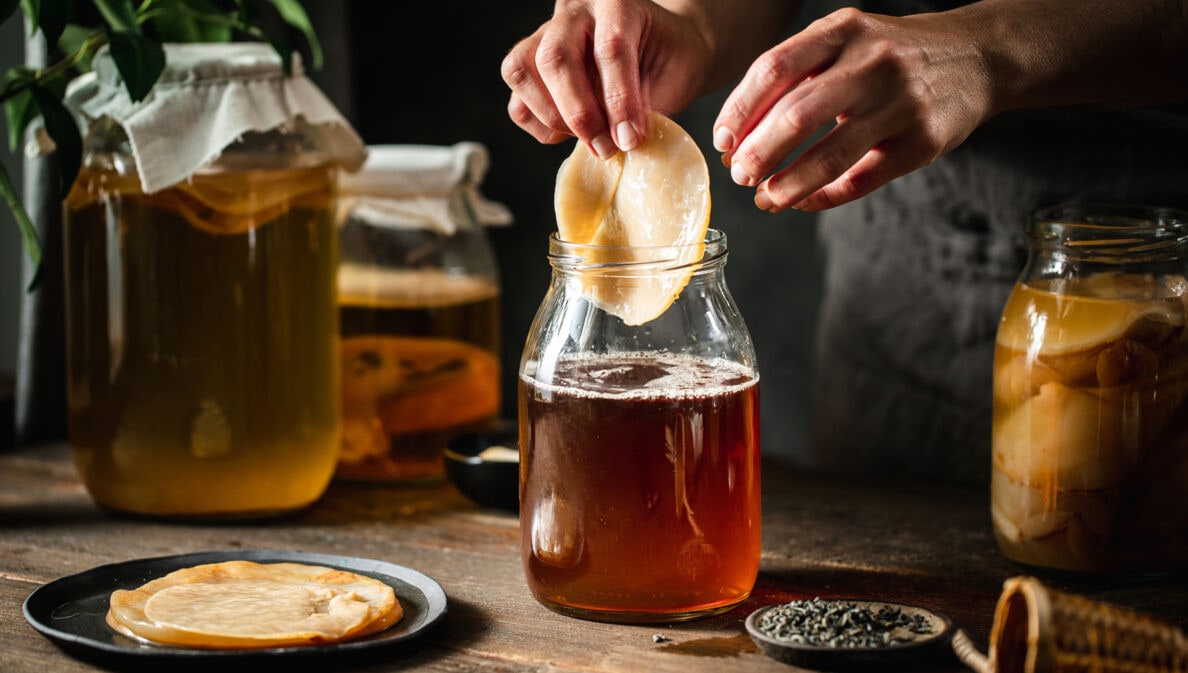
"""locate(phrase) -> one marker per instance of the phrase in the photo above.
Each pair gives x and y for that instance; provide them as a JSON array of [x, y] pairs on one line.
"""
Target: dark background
[[429, 73]]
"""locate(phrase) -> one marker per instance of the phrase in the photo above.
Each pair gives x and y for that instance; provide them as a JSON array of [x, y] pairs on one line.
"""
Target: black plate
[[71, 611], [923, 650]]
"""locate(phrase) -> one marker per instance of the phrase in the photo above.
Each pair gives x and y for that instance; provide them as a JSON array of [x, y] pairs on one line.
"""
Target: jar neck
[[1109, 234], [578, 259]]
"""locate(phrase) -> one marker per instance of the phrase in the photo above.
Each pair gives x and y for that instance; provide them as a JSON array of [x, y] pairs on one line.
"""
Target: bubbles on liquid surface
[[643, 375]]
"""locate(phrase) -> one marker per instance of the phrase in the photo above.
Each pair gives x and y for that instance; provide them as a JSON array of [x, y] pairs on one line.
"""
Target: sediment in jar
[[201, 335], [1090, 443], [420, 366], [639, 485]]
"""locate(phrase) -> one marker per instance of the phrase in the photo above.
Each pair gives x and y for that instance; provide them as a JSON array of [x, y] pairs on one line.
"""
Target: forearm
[[735, 35], [1066, 52]]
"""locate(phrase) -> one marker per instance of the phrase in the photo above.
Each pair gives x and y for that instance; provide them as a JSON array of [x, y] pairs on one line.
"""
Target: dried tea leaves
[[839, 624]]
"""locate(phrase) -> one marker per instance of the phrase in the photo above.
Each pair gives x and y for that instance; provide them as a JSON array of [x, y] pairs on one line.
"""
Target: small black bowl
[[491, 481]]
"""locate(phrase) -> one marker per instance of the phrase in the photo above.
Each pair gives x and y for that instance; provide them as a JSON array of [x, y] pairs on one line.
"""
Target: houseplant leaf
[[60, 126], [139, 60]]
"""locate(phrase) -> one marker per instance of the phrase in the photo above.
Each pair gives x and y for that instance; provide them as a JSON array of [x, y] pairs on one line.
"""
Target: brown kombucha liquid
[[420, 366], [1090, 442], [640, 486], [202, 341]]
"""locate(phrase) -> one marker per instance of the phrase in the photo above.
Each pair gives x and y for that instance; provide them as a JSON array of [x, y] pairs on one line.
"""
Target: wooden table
[[917, 544]]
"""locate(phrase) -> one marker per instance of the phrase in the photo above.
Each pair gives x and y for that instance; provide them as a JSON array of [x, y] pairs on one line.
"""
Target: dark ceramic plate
[[71, 611], [922, 650]]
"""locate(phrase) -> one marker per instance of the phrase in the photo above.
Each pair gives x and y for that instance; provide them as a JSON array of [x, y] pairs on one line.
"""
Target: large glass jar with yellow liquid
[[201, 319], [1090, 438]]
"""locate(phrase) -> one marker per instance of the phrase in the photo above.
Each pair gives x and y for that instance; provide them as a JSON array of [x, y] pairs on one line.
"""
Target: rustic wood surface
[[916, 544]]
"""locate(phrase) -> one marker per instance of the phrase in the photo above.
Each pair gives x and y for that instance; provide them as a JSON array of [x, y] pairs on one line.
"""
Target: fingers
[[570, 79], [882, 164], [580, 77], [520, 113], [531, 105], [617, 47], [771, 75]]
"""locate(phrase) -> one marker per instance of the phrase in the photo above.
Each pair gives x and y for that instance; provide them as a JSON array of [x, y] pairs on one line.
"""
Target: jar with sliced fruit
[[1090, 438], [639, 398], [202, 329], [418, 293]]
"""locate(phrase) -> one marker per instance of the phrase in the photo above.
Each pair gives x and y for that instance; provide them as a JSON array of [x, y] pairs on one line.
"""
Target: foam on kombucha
[[640, 485], [1090, 444]]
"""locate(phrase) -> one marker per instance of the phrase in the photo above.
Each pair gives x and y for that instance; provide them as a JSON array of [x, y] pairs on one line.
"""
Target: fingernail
[[723, 139], [740, 176], [604, 147], [763, 201], [628, 138]]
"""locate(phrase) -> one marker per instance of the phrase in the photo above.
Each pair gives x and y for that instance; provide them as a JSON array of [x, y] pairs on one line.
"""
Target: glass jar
[[1090, 439], [639, 468], [418, 295], [202, 329]]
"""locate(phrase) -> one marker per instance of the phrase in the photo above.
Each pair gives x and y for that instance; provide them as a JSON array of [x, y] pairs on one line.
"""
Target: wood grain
[[925, 545]]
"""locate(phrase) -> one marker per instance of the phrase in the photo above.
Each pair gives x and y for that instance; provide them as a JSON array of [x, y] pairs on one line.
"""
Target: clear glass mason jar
[[1090, 439], [418, 293], [202, 331], [639, 469]]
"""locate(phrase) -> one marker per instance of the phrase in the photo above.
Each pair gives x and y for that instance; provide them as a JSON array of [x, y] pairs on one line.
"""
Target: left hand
[[902, 91]]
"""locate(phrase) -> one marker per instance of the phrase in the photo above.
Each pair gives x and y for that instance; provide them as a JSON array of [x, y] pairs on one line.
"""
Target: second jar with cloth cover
[[1090, 440], [639, 443], [200, 258], [418, 294]]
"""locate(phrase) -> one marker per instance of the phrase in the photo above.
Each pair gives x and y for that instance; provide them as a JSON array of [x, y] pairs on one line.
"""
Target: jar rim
[[583, 257], [1109, 229]]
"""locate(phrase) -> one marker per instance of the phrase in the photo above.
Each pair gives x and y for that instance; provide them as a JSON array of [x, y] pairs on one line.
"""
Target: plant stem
[[90, 46]]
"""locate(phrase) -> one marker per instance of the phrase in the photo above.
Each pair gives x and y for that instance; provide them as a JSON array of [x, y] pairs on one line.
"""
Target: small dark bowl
[[491, 483], [919, 654]]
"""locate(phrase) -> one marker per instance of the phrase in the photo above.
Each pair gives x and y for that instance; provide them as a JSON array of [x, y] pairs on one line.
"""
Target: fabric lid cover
[[404, 186], [206, 98]]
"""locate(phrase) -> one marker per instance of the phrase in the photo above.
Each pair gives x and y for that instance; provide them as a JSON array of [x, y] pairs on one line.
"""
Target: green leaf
[[33, 11], [120, 15], [18, 110], [193, 21], [284, 51], [60, 126], [139, 60], [294, 14], [73, 38], [28, 233], [53, 17], [7, 8]]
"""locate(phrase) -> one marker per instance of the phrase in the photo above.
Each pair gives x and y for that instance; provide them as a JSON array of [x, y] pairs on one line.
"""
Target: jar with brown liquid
[[639, 443], [202, 328], [418, 296], [1090, 435]]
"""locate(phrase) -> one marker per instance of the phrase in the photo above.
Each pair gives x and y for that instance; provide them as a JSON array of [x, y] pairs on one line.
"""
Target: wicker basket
[[1038, 630]]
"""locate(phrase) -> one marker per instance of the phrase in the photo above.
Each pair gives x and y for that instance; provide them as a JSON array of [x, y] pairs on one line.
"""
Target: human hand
[[901, 92], [596, 68]]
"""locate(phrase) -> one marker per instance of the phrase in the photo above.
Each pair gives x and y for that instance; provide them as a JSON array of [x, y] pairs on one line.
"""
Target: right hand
[[595, 69]]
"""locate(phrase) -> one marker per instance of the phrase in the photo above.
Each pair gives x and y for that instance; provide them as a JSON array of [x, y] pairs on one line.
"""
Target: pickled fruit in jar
[[1090, 440], [419, 366]]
